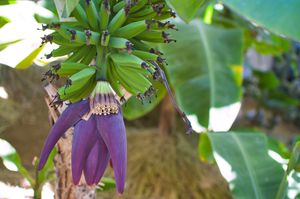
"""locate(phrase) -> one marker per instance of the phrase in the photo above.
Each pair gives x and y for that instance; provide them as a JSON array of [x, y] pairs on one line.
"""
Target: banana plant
[[110, 50]]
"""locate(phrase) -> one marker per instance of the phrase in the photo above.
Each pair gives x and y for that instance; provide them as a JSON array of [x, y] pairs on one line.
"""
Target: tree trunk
[[64, 187], [167, 116]]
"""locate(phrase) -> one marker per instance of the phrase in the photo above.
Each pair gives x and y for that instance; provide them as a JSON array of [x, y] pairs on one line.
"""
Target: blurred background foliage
[[234, 71]]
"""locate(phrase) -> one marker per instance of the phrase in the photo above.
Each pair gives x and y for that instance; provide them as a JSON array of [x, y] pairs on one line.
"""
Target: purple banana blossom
[[99, 135]]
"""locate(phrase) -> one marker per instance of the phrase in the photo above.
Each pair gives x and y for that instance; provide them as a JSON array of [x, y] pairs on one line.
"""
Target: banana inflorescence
[[117, 34]]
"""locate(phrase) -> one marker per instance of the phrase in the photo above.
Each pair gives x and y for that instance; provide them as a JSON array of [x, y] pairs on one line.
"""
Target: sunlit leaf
[[205, 67], [244, 162], [279, 16], [5, 44], [12, 160], [27, 62], [3, 21], [6, 2]]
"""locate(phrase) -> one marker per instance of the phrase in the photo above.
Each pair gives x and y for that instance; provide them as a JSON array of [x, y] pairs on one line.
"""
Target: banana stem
[[101, 64]]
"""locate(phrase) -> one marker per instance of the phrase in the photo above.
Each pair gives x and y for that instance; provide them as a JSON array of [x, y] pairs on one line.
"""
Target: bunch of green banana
[[109, 40]]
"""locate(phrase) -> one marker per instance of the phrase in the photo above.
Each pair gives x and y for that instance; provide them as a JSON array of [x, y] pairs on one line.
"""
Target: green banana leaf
[[205, 69], [280, 17], [5, 44], [186, 9], [6, 2], [12, 161], [288, 186], [3, 21], [27, 61], [244, 162]]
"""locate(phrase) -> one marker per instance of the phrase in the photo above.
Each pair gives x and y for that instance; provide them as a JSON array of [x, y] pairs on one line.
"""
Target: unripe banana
[[126, 60], [120, 43], [84, 92], [60, 40], [92, 14], [134, 79], [78, 55], [90, 56], [66, 69], [87, 37], [117, 21], [143, 12], [145, 55], [155, 37], [80, 15], [119, 6], [104, 15], [140, 4], [131, 30], [77, 81], [62, 51], [114, 80], [139, 45]]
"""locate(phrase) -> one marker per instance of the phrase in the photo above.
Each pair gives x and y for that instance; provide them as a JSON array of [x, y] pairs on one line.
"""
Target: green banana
[[114, 81], [155, 37], [76, 36], [120, 5], [143, 12], [145, 55], [104, 16], [90, 56], [165, 15], [134, 79], [92, 14], [131, 30], [158, 25], [139, 45], [63, 50], [131, 89], [98, 3], [140, 4], [79, 14], [117, 21], [78, 55], [120, 43], [60, 40], [78, 81], [85, 91], [66, 69], [126, 60]]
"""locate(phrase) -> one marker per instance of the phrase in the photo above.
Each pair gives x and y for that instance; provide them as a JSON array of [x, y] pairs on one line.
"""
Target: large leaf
[[20, 38], [5, 44], [287, 188], [205, 67], [134, 108], [65, 7], [3, 21], [244, 162], [186, 9], [280, 16], [28, 60], [6, 2], [12, 160]]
